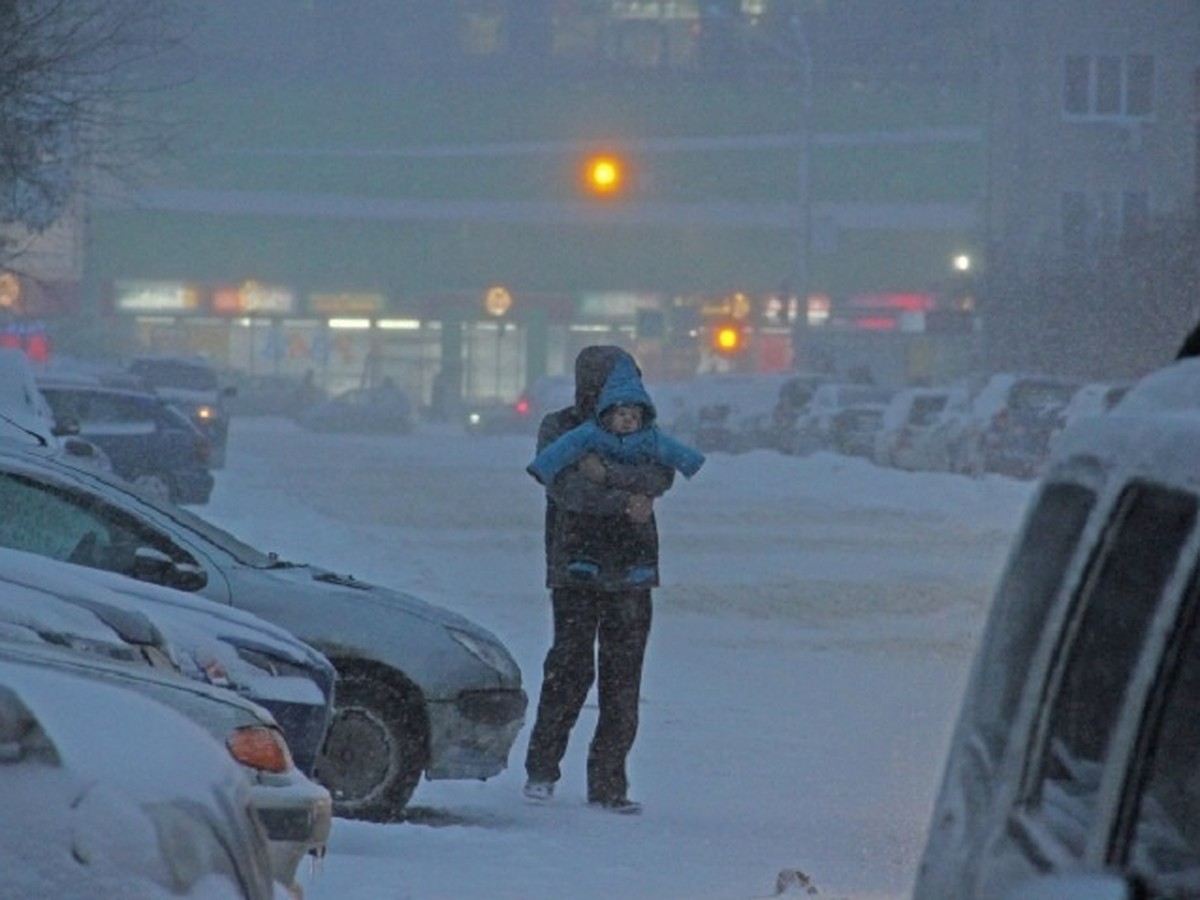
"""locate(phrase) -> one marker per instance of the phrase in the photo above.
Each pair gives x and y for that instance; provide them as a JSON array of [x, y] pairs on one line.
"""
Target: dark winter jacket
[[590, 540], [623, 387]]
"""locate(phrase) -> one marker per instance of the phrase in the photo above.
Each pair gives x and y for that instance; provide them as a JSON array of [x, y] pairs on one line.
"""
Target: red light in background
[[37, 348], [522, 407], [876, 323]]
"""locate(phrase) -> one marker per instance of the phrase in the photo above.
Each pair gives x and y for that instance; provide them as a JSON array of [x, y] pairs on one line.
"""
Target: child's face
[[624, 419]]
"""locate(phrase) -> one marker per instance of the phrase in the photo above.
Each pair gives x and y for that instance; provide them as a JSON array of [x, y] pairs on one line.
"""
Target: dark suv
[[149, 442], [1074, 770], [191, 386]]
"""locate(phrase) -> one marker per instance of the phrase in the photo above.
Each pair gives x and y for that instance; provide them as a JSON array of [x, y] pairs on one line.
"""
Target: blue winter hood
[[624, 387]]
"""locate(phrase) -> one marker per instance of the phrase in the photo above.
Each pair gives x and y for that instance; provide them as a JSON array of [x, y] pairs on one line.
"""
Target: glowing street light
[[604, 175]]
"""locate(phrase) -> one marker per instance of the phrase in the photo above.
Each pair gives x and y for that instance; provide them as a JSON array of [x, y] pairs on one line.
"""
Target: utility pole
[[803, 179]]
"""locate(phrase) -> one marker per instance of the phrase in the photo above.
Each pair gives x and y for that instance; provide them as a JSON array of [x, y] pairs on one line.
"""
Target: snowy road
[[808, 649]]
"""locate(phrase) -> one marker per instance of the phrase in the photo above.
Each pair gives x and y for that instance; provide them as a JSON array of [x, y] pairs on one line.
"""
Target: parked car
[[723, 412], [854, 429], [524, 415], [812, 429], [1015, 438], [1073, 768], [108, 794], [94, 641], [420, 689], [1092, 399], [385, 409], [912, 431], [225, 647], [193, 387], [148, 442], [25, 416]]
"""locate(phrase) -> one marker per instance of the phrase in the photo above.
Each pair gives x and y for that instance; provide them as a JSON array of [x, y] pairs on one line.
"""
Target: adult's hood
[[624, 387], [592, 368]]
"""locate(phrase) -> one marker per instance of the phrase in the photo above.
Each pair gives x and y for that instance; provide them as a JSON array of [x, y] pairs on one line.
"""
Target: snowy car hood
[[206, 636], [347, 587]]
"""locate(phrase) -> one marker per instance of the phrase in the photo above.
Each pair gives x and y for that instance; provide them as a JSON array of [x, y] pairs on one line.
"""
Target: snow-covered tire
[[376, 748]]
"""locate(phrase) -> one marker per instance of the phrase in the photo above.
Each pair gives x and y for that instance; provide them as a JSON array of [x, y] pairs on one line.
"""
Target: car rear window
[[1040, 395], [925, 410]]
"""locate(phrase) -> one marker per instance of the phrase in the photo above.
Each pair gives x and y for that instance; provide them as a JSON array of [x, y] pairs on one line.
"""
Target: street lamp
[[604, 175], [803, 174], [497, 301]]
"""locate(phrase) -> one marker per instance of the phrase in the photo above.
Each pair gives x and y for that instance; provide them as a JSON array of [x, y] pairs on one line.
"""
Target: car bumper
[[471, 735], [296, 814]]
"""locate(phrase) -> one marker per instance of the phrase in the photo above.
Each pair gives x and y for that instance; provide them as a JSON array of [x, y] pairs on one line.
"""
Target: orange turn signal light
[[260, 748]]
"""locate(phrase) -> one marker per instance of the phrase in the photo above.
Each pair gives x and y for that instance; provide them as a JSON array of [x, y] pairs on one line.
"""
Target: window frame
[[1109, 87]]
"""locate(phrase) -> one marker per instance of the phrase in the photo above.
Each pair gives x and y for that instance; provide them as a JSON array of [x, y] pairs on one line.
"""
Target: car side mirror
[[229, 392], [1075, 886], [156, 567]]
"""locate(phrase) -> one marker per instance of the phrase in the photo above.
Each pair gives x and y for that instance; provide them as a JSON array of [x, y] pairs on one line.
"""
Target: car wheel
[[155, 484], [375, 750]]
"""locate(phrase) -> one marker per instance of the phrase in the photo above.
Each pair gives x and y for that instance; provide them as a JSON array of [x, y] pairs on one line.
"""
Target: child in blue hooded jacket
[[623, 430]]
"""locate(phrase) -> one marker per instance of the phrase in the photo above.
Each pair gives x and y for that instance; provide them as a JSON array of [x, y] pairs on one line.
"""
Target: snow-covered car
[[1073, 769], [724, 412], [193, 387], [420, 689], [26, 417], [148, 441], [813, 427], [37, 629], [108, 794], [1092, 399], [226, 647], [912, 433]]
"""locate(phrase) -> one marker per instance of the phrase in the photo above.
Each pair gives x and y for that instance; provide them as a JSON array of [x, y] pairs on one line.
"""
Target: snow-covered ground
[[808, 651]]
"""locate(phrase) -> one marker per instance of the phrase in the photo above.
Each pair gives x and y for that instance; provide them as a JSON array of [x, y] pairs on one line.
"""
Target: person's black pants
[[620, 622]]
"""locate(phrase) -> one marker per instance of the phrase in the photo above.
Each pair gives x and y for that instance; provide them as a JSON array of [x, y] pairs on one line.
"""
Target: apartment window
[[1094, 222], [1108, 86]]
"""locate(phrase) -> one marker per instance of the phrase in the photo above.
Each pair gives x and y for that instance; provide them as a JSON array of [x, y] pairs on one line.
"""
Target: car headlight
[[205, 413], [487, 652]]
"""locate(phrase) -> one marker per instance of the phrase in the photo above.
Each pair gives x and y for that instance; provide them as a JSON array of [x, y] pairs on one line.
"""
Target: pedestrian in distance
[[601, 543]]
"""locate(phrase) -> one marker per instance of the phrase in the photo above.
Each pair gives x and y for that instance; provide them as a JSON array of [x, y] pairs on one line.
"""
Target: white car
[[26, 417], [226, 647], [61, 620], [107, 794], [1074, 768], [912, 435], [420, 689]]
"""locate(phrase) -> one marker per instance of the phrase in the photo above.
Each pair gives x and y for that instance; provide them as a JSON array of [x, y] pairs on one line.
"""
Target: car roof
[[1153, 432]]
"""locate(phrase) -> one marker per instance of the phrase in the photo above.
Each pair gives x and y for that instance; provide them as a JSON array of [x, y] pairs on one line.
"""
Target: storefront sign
[[342, 304], [155, 296], [253, 298]]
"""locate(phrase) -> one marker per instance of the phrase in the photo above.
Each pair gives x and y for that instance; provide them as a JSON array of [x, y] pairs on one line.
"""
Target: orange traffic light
[[604, 175], [728, 339]]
